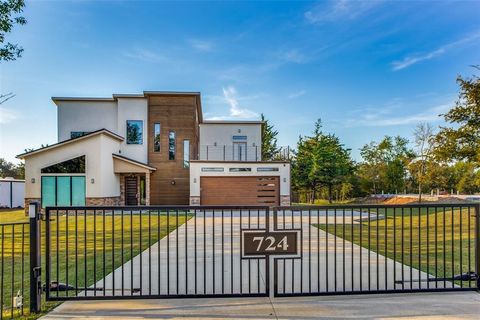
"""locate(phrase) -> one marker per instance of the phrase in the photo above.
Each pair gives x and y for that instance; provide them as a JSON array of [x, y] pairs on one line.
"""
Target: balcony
[[239, 152]]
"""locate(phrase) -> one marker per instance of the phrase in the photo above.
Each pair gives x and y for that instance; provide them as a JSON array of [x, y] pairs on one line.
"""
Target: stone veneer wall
[[30, 200], [285, 200], [194, 200], [105, 201]]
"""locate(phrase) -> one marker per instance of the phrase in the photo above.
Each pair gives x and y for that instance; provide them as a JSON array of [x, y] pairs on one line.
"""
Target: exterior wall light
[[32, 180], [284, 179], [92, 181], [194, 180], [173, 182]]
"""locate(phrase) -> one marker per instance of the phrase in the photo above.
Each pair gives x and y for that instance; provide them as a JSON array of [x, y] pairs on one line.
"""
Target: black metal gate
[[182, 251], [380, 249], [152, 252]]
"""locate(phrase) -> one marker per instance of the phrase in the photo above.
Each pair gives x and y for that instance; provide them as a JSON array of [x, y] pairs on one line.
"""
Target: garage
[[240, 190]]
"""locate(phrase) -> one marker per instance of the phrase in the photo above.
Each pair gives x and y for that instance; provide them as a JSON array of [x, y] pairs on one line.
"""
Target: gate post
[[35, 258]]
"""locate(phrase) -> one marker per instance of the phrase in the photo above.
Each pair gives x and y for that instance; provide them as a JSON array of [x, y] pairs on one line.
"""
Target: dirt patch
[[400, 200]]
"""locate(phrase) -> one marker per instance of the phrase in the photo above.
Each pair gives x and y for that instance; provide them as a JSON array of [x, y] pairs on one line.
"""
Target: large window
[[156, 137], [75, 165], [134, 131], [63, 191], [171, 145], [186, 153]]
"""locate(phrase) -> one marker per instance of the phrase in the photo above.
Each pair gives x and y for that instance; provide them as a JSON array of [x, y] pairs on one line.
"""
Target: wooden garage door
[[239, 191]]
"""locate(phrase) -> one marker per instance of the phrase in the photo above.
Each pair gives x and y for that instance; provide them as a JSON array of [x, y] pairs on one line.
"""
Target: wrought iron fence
[[183, 251], [14, 269]]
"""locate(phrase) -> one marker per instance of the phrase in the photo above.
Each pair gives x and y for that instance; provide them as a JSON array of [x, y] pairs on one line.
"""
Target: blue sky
[[367, 69]]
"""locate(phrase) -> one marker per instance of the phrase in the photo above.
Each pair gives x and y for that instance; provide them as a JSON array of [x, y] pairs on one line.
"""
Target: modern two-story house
[[153, 148]]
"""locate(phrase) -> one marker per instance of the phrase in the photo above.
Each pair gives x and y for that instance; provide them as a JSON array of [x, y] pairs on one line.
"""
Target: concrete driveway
[[459, 305], [204, 257]]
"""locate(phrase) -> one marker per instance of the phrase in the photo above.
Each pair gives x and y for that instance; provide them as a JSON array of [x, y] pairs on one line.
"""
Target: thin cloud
[[236, 111], [386, 119], [201, 45], [145, 55], [338, 10], [411, 60], [7, 116], [294, 56], [296, 94]]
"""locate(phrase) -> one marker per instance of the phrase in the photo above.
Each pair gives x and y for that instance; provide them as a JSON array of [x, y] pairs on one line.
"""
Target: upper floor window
[[186, 153], [75, 165], [156, 137], [76, 134], [134, 131], [171, 145]]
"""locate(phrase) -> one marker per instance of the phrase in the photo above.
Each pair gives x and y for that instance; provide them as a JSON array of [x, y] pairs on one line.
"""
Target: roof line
[[88, 135]]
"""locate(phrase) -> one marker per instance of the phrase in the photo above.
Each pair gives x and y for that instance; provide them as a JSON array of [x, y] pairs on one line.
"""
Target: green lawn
[[435, 242], [82, 240]]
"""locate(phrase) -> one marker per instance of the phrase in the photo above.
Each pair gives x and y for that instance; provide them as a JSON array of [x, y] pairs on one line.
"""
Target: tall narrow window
[[134, 131], [171, 145], [156, 137], [186, 153]]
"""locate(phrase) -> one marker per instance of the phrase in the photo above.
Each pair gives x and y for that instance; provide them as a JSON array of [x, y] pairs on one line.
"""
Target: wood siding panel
[[240, 190], [170, 183]]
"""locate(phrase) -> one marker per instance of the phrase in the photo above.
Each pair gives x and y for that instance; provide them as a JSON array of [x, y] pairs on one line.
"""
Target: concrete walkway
[[459, 305]]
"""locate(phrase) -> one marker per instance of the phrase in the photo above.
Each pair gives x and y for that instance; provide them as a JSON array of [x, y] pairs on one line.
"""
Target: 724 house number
[[270, 244]]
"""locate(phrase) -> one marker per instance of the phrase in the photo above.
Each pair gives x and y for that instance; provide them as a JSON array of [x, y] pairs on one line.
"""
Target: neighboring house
[[12, 193], [152, 149]]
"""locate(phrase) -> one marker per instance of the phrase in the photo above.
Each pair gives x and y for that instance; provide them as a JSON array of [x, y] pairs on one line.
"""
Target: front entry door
[[131, 191]]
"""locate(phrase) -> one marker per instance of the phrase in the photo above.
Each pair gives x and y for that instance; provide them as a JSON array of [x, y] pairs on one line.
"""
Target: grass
[[92, 243], [439, 243]]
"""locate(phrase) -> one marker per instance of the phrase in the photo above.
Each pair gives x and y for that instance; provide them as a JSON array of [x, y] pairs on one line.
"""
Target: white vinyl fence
[[12, 193]]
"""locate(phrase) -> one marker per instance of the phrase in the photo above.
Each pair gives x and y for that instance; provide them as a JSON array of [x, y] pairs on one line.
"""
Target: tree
[[321, 160], [462, 141], [269, 140], [385, 163], [467, 178], [9, 17], [9, 169], [423, 136]]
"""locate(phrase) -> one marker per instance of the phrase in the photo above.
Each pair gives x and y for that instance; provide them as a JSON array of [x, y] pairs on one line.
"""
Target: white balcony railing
[[239, 152]]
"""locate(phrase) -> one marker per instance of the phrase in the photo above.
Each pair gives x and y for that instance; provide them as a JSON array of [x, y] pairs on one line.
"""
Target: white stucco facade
[[220, 141], [111, 114], [133, 109], [196, 172], [85, 116], [99, 174]]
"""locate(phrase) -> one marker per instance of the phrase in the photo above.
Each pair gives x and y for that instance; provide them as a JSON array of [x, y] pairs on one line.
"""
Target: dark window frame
[[155, 134], [172, 151], [78, 134], [127, 141], [51, 169], [186, 161]]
